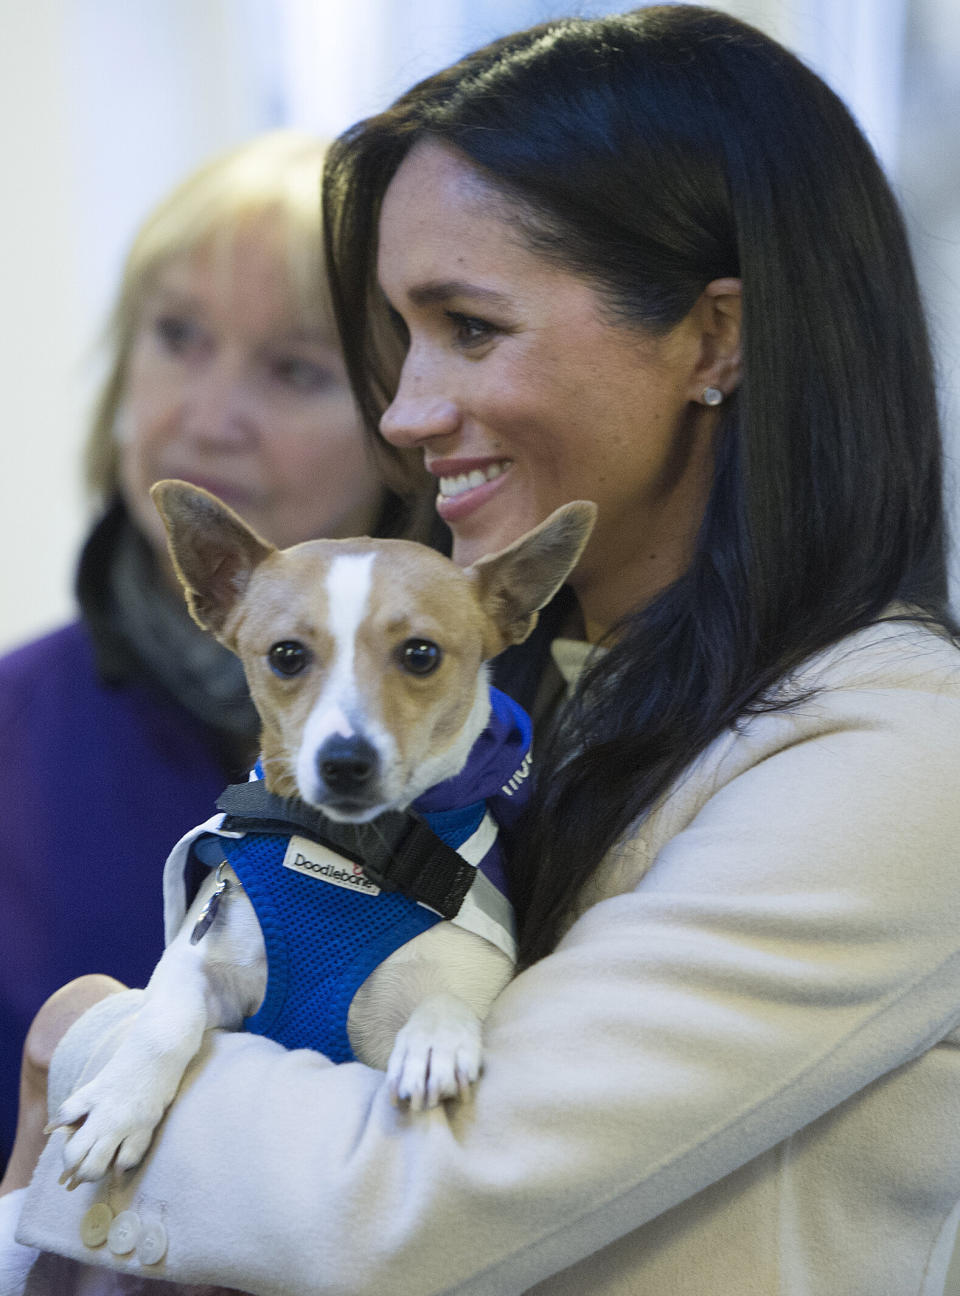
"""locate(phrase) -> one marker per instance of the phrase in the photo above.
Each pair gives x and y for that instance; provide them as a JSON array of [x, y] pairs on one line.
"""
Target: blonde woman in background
[[129, 722]]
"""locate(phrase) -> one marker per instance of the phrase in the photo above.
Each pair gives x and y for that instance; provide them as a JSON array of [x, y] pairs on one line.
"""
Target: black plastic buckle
[[398, 851]]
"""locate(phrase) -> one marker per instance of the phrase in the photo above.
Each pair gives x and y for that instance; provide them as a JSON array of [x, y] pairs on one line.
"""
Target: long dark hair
[[653, 152]]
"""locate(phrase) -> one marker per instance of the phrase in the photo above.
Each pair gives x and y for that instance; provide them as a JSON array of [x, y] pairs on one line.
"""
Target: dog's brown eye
[[419, 656], [288, 657]]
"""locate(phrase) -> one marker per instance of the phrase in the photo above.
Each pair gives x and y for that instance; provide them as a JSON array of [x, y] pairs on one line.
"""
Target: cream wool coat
[[738, 1074]]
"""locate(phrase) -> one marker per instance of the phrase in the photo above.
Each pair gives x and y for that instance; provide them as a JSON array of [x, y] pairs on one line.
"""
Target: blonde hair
[[275, 175]]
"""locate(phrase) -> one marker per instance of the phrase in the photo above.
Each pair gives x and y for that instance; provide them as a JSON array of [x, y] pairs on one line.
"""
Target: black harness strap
[[397, 851]]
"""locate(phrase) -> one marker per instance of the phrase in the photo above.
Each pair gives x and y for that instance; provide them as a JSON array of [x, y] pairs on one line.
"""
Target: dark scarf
[[140, 627]]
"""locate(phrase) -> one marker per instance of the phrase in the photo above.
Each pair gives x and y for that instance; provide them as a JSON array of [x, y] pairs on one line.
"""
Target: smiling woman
[[522, 392]]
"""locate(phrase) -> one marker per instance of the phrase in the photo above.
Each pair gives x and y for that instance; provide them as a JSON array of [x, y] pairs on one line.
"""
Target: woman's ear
[[718, 314]]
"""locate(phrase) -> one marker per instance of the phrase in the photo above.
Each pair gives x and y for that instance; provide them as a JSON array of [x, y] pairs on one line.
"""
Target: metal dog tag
[[209, 911]]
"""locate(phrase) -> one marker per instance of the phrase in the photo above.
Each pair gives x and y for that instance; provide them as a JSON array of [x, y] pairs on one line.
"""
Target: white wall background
[[105, 103]]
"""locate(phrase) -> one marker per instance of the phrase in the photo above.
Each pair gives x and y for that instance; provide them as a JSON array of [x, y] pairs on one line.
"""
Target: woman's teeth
[[451, 486]]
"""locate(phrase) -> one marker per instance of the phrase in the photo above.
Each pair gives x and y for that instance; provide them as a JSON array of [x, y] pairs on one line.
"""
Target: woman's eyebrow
[[172, 297], [443, 289]]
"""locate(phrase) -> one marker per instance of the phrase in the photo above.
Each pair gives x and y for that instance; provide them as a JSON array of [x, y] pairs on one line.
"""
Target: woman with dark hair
[[650, 261], [656, 154]]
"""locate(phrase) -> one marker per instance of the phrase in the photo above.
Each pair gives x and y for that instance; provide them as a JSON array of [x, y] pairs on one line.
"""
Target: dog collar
[[397, 851]]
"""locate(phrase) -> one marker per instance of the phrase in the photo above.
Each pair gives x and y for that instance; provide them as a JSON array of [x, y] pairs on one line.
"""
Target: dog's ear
[[514, 584], [214, 552]]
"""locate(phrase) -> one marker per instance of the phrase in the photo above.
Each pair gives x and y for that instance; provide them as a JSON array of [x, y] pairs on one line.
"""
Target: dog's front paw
[[436, 1055], [109, 1124]]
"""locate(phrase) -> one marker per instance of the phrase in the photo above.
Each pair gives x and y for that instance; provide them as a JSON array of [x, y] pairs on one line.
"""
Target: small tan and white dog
[[366, 661]]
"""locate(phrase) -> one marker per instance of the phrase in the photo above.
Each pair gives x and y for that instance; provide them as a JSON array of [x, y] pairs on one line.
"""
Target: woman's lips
[[465, 485]]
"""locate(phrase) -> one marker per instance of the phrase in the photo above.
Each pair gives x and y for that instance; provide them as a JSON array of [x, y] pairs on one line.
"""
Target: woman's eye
[[288, 657], [301, 375], [177, 334], [470, 331], [419, 656]]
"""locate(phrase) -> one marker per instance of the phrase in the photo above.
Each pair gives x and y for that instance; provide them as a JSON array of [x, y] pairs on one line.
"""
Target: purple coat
[[101, 781]]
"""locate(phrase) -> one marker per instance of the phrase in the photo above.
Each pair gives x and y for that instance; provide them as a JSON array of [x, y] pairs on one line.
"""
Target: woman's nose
[[420, 410], [220, 405]]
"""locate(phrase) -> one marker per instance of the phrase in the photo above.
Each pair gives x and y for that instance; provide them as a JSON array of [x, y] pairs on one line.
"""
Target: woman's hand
[[49, 1026]]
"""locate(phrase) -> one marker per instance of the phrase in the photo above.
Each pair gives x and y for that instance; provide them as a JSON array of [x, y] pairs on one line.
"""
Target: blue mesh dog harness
[[329, 918], [323, 940]]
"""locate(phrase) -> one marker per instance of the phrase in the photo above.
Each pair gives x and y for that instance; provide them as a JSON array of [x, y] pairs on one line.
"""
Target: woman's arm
[[797, 939]]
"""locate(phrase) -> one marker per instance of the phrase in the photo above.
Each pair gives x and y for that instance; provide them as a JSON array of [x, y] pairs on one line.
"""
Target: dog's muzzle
[[348, 768]]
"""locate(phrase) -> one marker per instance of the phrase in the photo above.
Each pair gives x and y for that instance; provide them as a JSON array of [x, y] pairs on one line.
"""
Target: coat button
[[124, 1233], [95, 1225], [153, 1243]]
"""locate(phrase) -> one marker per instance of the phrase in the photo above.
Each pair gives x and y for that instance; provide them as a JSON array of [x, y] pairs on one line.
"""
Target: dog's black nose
[[347, 764]]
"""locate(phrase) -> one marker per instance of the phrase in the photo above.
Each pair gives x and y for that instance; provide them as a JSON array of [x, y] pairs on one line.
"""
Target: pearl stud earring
[[712, 396]]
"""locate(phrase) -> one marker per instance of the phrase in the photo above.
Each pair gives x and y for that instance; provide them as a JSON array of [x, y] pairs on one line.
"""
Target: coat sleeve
[[796, 938]]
